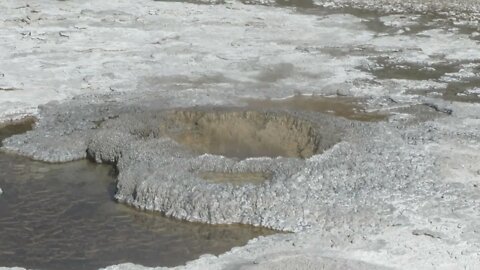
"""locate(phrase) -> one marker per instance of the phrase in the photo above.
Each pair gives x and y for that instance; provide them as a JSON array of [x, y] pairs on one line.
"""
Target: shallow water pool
[[63, 216]]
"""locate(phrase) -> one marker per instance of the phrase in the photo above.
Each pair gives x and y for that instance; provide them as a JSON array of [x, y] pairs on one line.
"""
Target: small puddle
[[347, 107], [62, 216], [238, 178]]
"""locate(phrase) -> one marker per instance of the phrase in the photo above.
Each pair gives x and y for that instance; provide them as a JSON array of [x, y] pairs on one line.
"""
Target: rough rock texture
[[155, 173], [382, 184], [143, 160]]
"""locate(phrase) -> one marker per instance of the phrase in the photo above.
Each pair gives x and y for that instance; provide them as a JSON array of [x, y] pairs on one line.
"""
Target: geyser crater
[[244, 134]]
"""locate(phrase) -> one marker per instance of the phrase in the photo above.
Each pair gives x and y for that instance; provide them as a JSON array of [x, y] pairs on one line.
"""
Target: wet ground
[[249, 50], [347, 107], [459, 78], [63, 216]]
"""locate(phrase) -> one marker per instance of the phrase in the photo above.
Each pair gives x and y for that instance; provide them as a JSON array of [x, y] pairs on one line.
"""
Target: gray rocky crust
[[368, 179], [156, 173]]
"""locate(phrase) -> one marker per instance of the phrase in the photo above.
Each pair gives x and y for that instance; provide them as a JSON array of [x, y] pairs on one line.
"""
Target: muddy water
[[62, 216]]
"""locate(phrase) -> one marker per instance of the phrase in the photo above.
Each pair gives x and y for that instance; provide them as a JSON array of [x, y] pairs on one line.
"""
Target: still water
[[63, 216]]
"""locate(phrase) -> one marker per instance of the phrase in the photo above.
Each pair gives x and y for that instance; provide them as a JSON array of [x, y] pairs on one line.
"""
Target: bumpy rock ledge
[[330, 188]]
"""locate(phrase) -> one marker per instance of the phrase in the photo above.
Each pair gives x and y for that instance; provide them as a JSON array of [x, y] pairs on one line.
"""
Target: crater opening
[[244, 134]]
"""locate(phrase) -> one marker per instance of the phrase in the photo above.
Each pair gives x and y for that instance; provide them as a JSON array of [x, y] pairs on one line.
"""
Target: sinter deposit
[[217, 114]]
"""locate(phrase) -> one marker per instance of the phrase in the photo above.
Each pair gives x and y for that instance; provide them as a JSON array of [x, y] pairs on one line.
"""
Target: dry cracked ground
[[356, 123]]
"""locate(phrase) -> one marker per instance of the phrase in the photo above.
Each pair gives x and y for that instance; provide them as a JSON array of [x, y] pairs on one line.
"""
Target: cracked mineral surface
[[197, 107]]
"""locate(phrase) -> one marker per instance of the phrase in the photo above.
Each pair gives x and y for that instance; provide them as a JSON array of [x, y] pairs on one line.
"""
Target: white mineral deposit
[[350, 127]]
